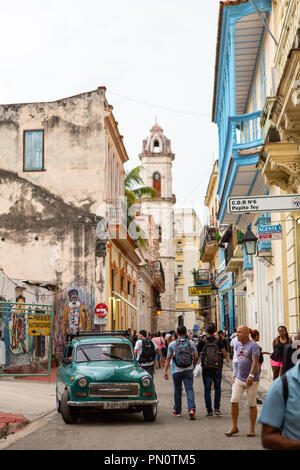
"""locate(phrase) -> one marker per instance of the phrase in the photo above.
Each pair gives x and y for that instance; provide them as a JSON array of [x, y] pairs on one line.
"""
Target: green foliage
[[134, 191]]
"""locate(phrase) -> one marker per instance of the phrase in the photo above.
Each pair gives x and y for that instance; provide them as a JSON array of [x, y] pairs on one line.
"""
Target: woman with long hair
[[278, 349]]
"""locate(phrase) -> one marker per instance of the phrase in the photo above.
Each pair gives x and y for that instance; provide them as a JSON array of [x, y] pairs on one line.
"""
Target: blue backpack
[[183, 353]]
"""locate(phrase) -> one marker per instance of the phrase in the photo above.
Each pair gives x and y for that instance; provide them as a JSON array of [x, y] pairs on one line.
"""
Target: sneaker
[[210, 415], [176, 414], [192, 414], [217, 412]]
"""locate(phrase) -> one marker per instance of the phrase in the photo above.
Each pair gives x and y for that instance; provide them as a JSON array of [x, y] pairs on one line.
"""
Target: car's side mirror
[[65, 361]]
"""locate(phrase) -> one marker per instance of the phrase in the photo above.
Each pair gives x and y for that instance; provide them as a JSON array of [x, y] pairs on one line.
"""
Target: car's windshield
[[103, 352]]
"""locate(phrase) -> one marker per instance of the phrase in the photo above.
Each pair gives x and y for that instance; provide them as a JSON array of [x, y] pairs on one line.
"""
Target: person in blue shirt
[[281, 420], [182, 375]]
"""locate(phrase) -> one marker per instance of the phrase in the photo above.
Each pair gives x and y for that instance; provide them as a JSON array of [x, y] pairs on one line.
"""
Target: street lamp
[[250, 242]]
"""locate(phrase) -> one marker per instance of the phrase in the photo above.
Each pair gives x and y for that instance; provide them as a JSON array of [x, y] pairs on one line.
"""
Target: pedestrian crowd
[[191, 355]]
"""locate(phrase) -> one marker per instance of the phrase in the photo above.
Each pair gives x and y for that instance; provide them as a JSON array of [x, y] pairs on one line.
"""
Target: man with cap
[[76, 316]]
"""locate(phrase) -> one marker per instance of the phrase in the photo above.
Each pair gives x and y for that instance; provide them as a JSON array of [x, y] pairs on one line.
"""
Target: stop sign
[[101, 310]]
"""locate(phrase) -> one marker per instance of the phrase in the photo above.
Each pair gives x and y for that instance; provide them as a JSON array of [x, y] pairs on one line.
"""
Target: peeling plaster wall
[[41, 238], [74, 146]]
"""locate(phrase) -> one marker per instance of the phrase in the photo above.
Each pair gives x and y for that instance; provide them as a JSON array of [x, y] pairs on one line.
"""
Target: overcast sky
[[160, 52]]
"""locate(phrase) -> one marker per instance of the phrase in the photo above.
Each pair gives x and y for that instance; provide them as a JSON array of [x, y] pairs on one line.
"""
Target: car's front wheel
[[150, 412], [69, 414], [58, 404]]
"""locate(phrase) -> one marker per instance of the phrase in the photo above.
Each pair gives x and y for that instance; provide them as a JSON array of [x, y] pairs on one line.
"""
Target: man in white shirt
[[235, 360], [148, 365]]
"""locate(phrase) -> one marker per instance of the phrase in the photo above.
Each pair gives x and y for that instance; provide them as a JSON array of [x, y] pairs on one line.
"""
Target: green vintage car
[[101, 372]]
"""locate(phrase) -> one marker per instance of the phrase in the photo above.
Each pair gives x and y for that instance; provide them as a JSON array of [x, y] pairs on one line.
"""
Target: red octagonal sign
[[101, 310]]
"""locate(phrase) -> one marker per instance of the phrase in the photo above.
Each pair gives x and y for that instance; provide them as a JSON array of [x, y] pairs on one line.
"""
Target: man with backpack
[[280, 413], [212, 352], [184, 355], [145, 350]]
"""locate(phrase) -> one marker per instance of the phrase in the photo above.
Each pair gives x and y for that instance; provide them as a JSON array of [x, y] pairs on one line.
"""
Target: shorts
[[238, 389], [276, 364]]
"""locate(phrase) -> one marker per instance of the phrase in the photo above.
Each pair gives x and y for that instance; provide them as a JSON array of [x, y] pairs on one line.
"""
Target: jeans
[[187, 378], [209, 377]]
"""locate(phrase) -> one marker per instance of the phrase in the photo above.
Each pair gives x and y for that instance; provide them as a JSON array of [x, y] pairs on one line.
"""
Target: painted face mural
[[81, 297], [17, 328]]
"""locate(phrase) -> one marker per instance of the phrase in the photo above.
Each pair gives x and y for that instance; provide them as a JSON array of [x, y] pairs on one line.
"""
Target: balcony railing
[[208, 234], [201, 276], [158, 269], [248, 131], [242, 132], [233, 250]]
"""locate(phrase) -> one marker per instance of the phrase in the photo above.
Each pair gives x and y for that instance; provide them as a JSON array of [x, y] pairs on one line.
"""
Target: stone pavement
[[34, 399], [24, 400]]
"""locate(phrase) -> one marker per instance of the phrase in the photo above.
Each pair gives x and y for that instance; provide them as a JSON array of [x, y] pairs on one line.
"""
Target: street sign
[[101, 310], [39, 325], [101, 321], [269, 232], [257, 204], [200, 290]]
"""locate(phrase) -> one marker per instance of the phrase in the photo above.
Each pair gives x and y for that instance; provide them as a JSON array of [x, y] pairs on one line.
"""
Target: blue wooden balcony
[[238, 159]]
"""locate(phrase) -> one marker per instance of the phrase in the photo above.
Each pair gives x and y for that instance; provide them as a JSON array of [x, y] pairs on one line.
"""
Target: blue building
[[239, 97]]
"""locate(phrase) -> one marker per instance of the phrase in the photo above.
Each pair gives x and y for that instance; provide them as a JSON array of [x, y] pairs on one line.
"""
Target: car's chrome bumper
[[100, 403]]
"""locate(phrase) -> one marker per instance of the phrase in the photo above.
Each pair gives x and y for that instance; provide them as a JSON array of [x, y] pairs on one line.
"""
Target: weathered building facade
[[62, 186], [187, 239], [255, 107]]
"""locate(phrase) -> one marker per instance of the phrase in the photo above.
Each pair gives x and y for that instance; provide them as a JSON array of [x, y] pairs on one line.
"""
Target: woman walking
[[278, 349]]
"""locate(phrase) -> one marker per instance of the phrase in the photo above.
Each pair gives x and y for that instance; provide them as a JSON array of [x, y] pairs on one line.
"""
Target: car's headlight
[[82, 382], [146, 382]]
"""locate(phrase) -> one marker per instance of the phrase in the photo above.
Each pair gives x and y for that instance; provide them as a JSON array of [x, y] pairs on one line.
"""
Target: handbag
[[197, 371]]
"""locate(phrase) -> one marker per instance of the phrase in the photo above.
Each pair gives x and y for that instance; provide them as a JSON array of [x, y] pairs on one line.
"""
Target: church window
[[157, 182], [156, 146], [159, 234], [179, 247]]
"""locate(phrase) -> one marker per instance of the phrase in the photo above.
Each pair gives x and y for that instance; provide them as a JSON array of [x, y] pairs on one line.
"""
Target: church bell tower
[[156, 160]]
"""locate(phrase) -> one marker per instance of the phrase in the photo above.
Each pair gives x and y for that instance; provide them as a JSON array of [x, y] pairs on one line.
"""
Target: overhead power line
[[157, 106]]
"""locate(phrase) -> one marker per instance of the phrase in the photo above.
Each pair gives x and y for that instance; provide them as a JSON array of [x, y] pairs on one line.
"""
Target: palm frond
[[133, 178], [145, 191]]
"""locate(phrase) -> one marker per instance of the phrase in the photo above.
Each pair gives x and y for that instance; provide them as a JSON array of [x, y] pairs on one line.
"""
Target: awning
[[115, 294]]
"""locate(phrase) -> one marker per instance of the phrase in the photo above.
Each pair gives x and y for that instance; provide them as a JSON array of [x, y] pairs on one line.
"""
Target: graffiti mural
[[18, 339], [86, 301]]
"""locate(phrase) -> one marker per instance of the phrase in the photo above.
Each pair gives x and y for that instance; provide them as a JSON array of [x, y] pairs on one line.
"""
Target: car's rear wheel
[[150, 412], [69, 414]]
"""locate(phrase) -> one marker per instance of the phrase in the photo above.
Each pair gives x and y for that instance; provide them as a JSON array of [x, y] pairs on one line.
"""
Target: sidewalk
[[24, 400]]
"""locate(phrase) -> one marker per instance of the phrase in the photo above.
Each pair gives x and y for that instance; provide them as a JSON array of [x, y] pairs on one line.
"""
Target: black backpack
[[211, 355], [148, 351]]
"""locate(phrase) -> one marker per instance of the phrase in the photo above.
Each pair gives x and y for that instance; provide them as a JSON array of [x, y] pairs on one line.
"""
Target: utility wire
[[165, 108]]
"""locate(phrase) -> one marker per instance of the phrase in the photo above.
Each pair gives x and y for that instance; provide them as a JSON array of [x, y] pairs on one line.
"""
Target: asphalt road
[[129, 431]]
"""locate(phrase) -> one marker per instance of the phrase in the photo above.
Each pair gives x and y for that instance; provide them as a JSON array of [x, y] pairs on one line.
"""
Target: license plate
[[120, 405]]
